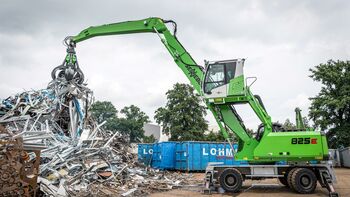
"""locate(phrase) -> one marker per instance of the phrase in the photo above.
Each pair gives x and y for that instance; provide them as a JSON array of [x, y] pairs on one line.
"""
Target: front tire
[[231, 180], [290, 177], [303, 181]]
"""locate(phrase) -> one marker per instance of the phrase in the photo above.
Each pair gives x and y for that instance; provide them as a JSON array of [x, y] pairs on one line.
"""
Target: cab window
[[230, 71], [215, 77]]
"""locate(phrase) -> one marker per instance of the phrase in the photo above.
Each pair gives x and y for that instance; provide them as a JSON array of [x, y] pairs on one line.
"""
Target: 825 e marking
[[306, 140]]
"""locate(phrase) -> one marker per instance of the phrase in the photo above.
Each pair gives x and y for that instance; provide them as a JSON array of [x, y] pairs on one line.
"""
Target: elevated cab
[[223, 79]]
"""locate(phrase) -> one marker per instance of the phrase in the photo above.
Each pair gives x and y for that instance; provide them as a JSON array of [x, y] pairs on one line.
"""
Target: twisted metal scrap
[[18, 169]]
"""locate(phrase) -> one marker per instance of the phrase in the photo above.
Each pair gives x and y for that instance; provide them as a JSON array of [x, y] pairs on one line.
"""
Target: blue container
[[164, 155], [189, 156], [195, 156], [145, 153]]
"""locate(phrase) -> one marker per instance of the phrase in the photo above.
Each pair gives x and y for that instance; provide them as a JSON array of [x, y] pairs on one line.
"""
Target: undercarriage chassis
[[302, 178]]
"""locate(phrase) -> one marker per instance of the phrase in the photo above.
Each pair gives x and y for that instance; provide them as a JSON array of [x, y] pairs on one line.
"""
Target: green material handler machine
[[222, 86]]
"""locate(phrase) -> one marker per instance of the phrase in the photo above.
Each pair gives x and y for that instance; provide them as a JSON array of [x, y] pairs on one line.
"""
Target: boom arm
[[224, 114], [154, 25], [181, 57]]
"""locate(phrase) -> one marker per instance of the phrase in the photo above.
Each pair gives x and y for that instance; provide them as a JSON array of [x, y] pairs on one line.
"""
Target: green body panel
[[324, 145], [278, 145], [270, 145], [236, 86]]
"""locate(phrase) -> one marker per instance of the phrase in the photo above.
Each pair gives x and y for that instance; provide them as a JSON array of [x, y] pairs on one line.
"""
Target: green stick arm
[[127, 27], [299, 119], [259, 111], [153, 25]]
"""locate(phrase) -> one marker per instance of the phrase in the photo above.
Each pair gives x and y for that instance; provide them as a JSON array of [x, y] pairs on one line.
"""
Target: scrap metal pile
[[18, 169], [78, 157]]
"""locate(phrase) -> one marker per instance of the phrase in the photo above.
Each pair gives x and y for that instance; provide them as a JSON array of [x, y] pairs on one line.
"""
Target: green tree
[[330, 109], [104, 111], [214, 137], [306, 122], [149, 139], [183, 115], [218, 137], [288, 125], [132, 122]]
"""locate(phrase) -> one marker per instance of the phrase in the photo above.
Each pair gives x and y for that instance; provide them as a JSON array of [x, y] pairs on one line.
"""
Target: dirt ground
[[265, 188]]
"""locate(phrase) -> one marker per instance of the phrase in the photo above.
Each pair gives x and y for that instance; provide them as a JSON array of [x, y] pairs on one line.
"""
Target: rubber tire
[[289, 177], [297, 184], [234, 173]]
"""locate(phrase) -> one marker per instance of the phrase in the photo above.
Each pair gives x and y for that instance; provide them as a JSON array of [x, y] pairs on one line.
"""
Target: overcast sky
[[280, 39]]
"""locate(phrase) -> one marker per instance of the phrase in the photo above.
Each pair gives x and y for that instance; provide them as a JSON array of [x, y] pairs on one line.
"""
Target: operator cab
[[224, 78]]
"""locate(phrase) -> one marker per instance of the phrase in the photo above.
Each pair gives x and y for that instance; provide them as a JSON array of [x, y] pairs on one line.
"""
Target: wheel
[[231, 180], [283, 180], [333, 194], [303, 181], [289, 177]]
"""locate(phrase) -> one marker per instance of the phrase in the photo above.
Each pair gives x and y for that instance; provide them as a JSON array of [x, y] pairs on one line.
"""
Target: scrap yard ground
[[268, 188]]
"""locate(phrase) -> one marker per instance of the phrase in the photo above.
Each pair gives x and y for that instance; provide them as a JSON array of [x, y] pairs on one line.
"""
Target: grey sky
[[280, 39]]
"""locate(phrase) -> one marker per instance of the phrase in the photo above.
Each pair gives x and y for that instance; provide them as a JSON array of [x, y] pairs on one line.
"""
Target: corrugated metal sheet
[[345, 157], [195, 156], [164, 155], [189, 156]]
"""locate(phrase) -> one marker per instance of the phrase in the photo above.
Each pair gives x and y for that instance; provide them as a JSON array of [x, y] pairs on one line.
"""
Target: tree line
[[129, 120]]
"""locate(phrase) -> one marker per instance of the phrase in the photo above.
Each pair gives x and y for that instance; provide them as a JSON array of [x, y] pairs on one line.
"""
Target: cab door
[[215, 81]]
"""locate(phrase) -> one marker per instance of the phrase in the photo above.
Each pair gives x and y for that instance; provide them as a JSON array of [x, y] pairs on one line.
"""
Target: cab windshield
[[219, 74], [215, 77]]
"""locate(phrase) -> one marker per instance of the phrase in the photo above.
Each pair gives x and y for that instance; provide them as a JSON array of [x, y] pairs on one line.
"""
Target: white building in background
[[156, 131]]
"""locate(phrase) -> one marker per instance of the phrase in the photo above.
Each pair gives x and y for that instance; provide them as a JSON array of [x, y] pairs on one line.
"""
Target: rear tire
[[231, 180], [303, 181]]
